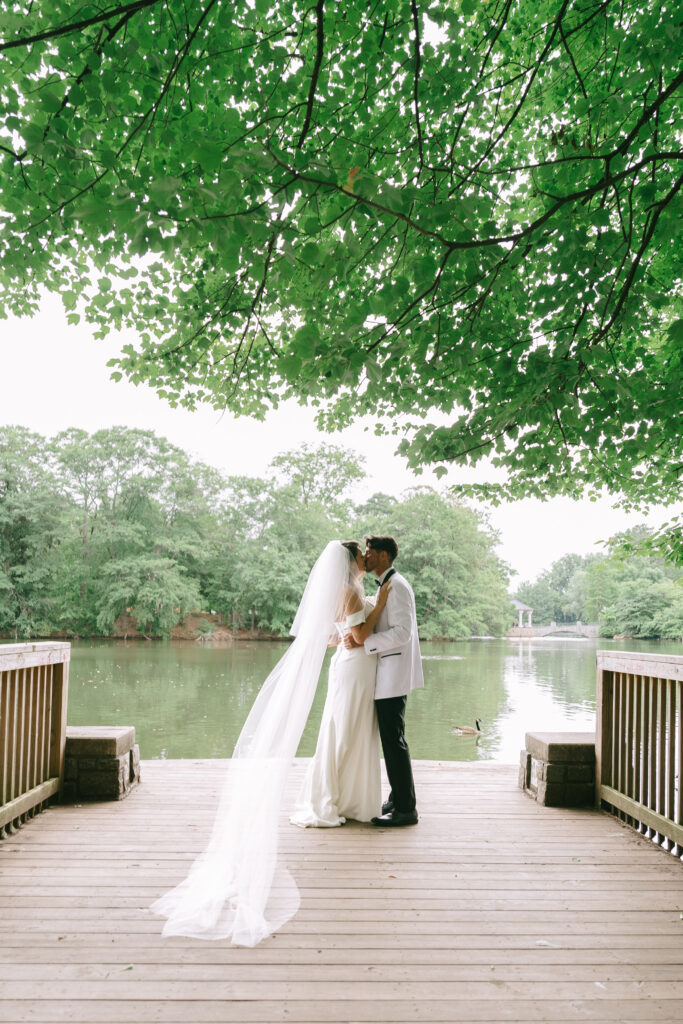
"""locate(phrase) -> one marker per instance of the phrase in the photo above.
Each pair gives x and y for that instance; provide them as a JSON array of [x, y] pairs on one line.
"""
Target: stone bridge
[[586, 629]]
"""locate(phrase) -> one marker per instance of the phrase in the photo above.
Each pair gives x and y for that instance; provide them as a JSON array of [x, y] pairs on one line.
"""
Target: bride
[[236, 888], [343, 779]]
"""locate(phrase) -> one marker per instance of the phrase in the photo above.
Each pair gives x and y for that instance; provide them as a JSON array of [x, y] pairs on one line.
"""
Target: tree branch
[[416, 79], [320, 34], [647, 237], [494, 142], [649, 111], [78, 26], [10, 152], [573, 62]]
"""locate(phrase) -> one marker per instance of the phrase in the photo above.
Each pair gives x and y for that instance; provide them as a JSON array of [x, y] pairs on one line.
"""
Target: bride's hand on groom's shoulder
[[383, 595]]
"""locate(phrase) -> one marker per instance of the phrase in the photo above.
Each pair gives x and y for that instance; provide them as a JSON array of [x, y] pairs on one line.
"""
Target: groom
[[399, 670]]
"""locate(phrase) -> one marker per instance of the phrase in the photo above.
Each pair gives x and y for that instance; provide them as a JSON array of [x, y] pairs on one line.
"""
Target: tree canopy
[[391, 206]]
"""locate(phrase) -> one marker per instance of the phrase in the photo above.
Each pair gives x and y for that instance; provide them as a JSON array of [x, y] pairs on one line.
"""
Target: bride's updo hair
[[353, 548]]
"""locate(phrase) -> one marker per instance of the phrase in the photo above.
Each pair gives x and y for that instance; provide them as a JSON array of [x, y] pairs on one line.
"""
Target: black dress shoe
[[396, 819], [387, 807]]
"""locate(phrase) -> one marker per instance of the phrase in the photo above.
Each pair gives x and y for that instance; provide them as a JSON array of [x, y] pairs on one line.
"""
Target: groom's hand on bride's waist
[[350, 643]]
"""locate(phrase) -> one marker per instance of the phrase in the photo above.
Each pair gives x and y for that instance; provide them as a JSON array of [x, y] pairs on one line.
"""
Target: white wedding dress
[[343, 778], [238, 888]]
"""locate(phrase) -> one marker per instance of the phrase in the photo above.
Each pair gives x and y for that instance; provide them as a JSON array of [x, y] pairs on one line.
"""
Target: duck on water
[[467, 730]]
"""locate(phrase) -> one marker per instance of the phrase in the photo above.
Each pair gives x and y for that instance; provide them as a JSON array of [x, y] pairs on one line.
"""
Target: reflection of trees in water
[[191, 700], [566, 669], [457, 692], [184, 700]]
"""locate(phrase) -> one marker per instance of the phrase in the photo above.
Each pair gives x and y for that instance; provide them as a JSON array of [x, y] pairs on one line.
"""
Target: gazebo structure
[[521, 608]]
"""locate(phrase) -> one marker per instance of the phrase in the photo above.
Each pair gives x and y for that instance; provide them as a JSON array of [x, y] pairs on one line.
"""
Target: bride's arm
[[352, 604], [361, 632]]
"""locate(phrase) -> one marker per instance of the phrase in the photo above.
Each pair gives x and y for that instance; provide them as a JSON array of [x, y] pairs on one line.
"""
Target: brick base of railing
[[102, 763], [558, 768]]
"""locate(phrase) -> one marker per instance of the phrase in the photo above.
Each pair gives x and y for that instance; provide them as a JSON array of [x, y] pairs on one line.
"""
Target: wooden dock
[[492, 909]]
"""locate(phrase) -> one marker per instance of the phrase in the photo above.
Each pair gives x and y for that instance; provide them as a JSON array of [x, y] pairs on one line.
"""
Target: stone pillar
[[520, 623], [102, 763], [558, 768]]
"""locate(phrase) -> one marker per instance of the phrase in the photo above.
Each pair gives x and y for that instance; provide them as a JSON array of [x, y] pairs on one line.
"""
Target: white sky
[[54, 376]]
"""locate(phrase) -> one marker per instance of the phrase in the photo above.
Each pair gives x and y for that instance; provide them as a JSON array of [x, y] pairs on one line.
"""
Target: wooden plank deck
[[492, 909]]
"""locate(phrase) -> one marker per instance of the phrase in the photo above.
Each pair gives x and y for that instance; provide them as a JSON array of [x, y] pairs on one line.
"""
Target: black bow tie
[[380, 583]]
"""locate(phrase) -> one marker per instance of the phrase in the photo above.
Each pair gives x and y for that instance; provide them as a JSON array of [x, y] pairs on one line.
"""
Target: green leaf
[[306, 340], [310, 253], [210, 157], [77, 94], [675, 331], [51, 101], [33, 133]]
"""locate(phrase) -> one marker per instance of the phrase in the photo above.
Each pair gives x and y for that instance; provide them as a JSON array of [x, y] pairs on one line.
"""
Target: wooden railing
[[639, 743], [34, 681]]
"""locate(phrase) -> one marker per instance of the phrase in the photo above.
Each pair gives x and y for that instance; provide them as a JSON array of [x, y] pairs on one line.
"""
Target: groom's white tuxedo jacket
[[396, 643]]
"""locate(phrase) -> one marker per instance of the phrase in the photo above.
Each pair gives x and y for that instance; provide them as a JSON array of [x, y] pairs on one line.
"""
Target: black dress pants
[[391, 712]]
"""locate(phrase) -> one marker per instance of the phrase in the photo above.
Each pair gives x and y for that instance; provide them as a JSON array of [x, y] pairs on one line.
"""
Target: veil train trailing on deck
[[236, 889]]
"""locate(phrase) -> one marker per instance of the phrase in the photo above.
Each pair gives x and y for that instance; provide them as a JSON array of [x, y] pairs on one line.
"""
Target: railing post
[[679, 766], [60, 700], [603, 729]]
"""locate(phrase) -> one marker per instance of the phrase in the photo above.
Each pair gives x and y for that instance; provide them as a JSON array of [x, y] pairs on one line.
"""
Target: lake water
[[189, 700]]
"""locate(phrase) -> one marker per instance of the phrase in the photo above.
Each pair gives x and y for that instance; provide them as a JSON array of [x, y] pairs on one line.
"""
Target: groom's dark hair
[[387, 544]]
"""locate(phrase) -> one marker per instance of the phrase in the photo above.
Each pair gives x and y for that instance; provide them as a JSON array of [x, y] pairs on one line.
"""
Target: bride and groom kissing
[[376, 666], [238, 888]]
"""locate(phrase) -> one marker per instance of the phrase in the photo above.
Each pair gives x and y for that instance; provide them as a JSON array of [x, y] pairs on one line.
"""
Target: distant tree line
[[627, 594], [94, 526]]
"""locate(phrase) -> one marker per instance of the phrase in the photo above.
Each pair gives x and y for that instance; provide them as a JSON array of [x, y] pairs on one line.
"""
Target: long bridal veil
[[235, 888]]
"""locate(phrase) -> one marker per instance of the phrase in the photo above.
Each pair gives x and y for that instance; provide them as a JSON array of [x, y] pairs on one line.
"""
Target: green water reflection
[[190, 700]]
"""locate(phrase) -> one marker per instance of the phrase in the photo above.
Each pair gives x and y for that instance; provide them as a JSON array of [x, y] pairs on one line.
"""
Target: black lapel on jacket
[[391, 573]]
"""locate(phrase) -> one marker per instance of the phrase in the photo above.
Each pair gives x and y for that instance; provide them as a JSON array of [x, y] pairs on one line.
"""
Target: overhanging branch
[[416, 80], [77, 26], [320, 49]]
